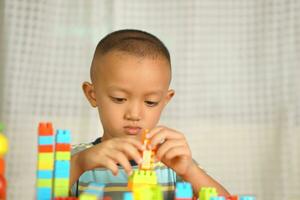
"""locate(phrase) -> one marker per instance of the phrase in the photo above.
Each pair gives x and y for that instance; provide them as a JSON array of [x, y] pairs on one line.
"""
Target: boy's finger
[[162, 136], [138, 144], [175, 152], [110, 164], [132, 153], [120, 158], [154, 131], [167, 146]]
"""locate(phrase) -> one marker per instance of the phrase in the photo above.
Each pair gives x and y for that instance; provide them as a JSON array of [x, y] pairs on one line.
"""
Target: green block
[[148, 192], [42, 182], [207, 192], [61, 182], [61, 192], [1, 127], [62, 155], [87, 197], [142, 177]]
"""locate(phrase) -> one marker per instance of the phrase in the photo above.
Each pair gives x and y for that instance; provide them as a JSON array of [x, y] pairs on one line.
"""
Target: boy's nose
[[133, 113]]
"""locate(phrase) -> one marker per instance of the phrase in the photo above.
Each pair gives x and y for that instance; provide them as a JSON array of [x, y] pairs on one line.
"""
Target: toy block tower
[[3, 151], [45, 161], [183, 191], [62, 163], [145, 175], [207, 192]]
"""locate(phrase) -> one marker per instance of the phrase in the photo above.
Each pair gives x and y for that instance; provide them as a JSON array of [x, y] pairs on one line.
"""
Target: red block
[[2, 187], [107, 198], [65, 198], [45, 148], [2, 167], [233, 197], [62, 147], [45, 129]]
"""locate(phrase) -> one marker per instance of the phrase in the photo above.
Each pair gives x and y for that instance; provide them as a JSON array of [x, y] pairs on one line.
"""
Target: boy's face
[[130, 92]]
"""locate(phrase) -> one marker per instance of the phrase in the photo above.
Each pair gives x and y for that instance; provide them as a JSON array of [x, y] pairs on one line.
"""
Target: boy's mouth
[[132, 130]]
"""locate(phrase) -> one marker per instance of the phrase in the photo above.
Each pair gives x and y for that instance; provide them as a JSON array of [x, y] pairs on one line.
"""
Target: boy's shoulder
[[80, 147]]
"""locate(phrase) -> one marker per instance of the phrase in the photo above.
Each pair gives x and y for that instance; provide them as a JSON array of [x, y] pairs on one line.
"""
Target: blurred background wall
[[236, 71]]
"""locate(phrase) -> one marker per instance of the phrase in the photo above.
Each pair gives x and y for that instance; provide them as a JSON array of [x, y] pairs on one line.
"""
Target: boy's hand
[[172, 149], [110, 153]]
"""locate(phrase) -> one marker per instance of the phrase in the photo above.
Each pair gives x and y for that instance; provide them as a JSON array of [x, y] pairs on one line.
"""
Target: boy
[[130, 78]]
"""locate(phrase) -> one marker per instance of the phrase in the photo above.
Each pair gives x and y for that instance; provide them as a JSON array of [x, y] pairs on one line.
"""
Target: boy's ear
[[169, 95], [89, 92]]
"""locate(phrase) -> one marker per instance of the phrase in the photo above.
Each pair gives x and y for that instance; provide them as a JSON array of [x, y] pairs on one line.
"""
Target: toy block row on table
[[3, 151], [53, 171], [210, 193]]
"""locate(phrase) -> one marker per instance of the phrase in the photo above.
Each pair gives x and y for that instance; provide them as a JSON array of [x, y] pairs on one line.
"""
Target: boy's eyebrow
[[158, 92]]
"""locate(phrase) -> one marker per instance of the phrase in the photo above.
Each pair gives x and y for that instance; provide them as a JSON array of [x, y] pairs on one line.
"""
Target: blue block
[[62, 169], [246, 197], [43, 194], [183, 190], [45, 140], [217, 198], [127, 196], [63, 136], [44, 174]]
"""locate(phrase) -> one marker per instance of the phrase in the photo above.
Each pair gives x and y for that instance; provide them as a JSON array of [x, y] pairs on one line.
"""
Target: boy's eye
[[118, 100], [151, 103]]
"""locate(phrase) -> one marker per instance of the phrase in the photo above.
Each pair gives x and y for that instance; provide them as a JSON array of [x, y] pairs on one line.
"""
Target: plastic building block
[[3, 145], [1, 127], [127, 196], [107, 198], [2, 187], [232, 197], [63, 147], [183, 191], [62, 155], [44, 174], [45, 129], [45, 140], [65, 198], [45, 161], [217, 198], [2, 166], [142, 177], [63, 136], [148, 192], [246, 197], [87, 197], [207, 192]]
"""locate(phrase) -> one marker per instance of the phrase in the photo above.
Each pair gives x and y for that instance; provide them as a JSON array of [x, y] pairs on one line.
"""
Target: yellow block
[[45, 165], [87, 197]]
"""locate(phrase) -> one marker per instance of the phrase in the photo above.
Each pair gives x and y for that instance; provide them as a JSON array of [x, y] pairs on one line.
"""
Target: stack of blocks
[[45, 161], [62, 163], [3, 151], [50, 164], [143, 182]]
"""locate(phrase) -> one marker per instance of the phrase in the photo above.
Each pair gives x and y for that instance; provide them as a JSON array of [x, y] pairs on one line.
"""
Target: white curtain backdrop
[[236, 72]]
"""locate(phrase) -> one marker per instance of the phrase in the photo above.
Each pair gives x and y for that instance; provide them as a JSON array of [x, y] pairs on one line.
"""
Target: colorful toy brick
[[218, 198], [232, 197], [148, 155], [246, 197], [45, 161], [127, 196], [62, 163], [148, 192], [207, 192], [87, 197], [183, 191], [142, 177]]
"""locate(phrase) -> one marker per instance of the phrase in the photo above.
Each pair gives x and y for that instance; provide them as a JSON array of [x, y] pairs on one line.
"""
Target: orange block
[[45, 129], [2, 166], [45, 148], [62, 147]]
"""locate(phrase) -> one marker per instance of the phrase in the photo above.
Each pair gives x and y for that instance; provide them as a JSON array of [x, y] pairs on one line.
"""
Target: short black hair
[[132, 41]]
